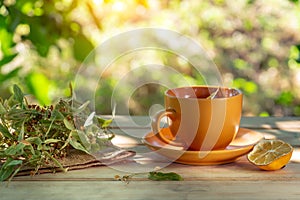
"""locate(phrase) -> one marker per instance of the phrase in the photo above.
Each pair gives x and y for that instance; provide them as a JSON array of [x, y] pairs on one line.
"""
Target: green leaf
[[104, 123], [48, 141], [21, 134], [84, 139], [29, 147], [43, 147], [160, 176], [13, 163], [18, 94], [2, 109], [15, 150], [8, 168], [34, 140], [68, 124], [5, 132], [81, 108], [6, 173], [74, 142], [16, 170], [76, 145]]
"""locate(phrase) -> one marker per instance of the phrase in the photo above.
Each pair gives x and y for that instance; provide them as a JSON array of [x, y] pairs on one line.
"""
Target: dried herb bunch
[[35, 136]]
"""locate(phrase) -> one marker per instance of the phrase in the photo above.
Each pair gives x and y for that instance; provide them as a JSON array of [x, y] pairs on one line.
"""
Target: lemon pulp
[[271, 154]]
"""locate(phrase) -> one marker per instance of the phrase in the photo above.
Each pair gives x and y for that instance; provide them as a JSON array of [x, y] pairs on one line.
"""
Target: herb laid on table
[[161, 176], [34, 136], [153, 175]]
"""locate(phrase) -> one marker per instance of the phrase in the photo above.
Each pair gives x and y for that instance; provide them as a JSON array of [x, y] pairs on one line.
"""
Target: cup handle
[[155, 123]]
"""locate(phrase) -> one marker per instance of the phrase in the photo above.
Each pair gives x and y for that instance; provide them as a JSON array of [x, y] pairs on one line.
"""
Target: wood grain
[[237, 180], [230, 189]]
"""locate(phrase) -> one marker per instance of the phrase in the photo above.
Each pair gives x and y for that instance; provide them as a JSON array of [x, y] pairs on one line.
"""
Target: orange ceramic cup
[[201, 118]]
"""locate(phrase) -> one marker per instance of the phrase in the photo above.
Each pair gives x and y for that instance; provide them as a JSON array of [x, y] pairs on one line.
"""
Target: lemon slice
[[271, 154]]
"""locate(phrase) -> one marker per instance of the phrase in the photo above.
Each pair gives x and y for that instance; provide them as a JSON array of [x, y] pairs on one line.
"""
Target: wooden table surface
[[236, 180]]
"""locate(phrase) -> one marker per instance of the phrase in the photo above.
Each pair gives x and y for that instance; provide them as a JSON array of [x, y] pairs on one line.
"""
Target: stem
[[15, 173], [56, 162], [48, 131]]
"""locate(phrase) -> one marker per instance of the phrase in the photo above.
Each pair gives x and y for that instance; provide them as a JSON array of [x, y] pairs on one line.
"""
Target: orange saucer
[[241, 145]]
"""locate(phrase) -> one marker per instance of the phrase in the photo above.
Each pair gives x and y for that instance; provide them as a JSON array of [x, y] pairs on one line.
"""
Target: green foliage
[[285, 98], [48, 21], [295, 53], [39, 85], [43, 44], [82, 47], [248, 87], [264, 114], [41, 25]]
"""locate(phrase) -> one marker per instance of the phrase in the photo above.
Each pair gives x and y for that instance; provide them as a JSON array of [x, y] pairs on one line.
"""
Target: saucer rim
[[234, 147], [226, 155]]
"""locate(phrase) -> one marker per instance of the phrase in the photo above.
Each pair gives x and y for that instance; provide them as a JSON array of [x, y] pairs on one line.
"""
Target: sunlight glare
[[98, 2], [296, 155], [124, 141], [119, 6]]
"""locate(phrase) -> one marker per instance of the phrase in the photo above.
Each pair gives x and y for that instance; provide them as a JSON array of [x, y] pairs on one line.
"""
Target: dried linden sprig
[[34, 136]]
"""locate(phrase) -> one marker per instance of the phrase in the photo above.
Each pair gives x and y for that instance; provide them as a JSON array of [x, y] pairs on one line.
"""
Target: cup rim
[[239, 92]]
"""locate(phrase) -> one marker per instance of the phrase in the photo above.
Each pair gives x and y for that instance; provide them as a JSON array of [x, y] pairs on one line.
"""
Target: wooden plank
[[146, 160], [290, 136], [143, 122], [284, 123], [129, 137], [239, 170], [73, 190], [126, 121]]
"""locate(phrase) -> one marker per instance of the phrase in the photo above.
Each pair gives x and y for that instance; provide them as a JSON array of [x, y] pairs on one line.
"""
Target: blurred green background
[[254, 43]]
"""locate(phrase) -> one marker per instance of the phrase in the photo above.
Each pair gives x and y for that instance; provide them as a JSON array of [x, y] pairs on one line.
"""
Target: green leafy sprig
[[36, 136], [153, 175]]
